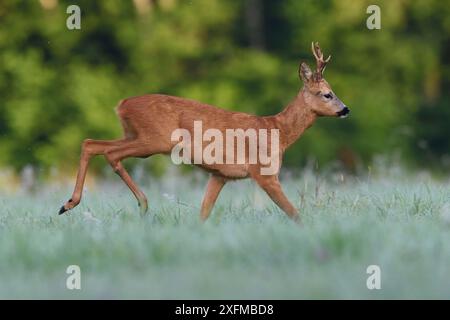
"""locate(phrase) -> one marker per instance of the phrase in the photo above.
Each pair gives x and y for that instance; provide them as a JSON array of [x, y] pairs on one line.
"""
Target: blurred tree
[[59, 86]]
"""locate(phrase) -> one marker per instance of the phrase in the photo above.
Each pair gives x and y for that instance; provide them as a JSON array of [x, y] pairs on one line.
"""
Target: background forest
[[59, 86]]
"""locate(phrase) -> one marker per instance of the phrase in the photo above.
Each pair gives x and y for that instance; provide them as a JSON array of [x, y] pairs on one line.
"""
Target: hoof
[[143, 208], [298, 221], [62, 210]]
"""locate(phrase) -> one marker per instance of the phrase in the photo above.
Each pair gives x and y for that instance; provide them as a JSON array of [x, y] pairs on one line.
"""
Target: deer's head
[[317, 92]]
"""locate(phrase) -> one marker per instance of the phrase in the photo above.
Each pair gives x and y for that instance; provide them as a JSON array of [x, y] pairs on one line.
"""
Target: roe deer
[[149, 120]]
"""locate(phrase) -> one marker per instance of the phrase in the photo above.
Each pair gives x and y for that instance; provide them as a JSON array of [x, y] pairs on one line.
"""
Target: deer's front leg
[[215, 184], [271, 185]]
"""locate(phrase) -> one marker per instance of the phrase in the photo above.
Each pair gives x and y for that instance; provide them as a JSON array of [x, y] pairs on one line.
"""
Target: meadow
[[247, 250]]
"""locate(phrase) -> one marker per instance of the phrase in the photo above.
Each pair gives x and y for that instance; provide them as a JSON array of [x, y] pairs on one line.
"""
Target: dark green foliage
[[58, 87]]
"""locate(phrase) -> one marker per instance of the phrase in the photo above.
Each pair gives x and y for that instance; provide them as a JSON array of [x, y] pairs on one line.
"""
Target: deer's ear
[[305, 72]]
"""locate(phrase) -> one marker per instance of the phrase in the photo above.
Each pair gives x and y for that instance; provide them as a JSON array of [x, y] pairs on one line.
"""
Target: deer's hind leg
[[130, 149], [114, 151]]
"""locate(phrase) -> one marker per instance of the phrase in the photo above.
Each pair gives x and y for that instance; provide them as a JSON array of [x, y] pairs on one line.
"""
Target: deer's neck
[[294, 120]]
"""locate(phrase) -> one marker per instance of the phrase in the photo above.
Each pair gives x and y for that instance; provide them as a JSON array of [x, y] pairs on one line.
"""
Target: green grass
[[248, 249]]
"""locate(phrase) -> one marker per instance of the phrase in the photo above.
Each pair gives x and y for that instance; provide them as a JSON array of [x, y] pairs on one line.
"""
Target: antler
[[321, 64]]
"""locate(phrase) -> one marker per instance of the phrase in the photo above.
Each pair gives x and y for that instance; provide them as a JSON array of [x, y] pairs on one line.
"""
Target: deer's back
[[153, 118], [161, 114]]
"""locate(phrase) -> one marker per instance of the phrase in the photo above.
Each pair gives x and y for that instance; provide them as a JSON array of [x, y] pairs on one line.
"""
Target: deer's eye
[[328, 96]]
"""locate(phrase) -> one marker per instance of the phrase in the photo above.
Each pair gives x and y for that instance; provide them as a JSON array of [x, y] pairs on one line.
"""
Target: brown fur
[[149, 120]]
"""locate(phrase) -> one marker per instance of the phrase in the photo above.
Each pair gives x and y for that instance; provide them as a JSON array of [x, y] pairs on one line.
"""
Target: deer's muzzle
[[343, 113]]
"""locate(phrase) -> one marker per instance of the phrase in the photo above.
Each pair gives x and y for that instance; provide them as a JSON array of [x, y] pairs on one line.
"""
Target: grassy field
[[248, 249]]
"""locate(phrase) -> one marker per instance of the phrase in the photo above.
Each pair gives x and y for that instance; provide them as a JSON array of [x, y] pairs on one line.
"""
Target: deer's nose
[[343, 113]]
